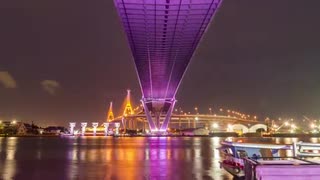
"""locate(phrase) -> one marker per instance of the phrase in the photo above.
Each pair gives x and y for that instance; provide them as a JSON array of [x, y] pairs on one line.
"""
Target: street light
[[293, 128], [196, 109], [230, 128], [210, 110], [215, 125], [284, 124]]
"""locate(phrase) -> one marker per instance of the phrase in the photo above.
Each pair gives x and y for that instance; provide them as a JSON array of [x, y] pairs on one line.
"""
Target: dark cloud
[[7, 80], [50, 86]]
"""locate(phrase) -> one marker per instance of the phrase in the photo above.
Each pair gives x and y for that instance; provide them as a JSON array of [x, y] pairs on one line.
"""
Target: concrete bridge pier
[[83, 128], [95, 125], [71, 126], [117, 126], [106, 126]]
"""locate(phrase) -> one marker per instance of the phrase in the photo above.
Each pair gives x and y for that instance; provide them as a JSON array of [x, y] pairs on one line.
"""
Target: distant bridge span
[[198, 117], [182, 121]]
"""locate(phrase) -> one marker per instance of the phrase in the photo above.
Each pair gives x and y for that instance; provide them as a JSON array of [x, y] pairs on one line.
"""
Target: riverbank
[[30, 135], [178, 135]]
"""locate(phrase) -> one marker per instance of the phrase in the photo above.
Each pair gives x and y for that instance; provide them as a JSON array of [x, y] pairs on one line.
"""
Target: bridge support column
[[168, 116], [124, 123], [72, 125], [117, 125], [157, 107], [152, 126], [83, 128], [106, 126], [95, 125]]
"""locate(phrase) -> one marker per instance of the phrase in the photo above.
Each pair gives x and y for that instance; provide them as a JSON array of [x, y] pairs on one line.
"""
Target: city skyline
[[65, 67]]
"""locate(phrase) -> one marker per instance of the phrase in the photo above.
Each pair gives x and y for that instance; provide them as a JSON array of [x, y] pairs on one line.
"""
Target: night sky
[[64, 61]]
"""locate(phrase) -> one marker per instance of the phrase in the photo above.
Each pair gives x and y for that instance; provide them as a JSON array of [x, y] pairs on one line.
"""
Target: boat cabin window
[[242, 153], [228, 151]]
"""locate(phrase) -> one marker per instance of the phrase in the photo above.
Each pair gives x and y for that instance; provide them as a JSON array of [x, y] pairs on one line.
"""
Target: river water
[[124, 158]]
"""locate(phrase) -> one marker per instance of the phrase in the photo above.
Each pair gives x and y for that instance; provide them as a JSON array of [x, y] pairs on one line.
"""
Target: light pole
[[286, 123], [195, 122], [215, 126], [196, 109]]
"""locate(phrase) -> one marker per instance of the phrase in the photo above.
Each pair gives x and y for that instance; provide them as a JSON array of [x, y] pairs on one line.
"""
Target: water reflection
[[9, 164], [1, 143], [116, 158], [72, 156]]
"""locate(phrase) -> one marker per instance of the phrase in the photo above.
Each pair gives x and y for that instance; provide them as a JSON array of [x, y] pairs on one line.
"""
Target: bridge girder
[[163, 35]]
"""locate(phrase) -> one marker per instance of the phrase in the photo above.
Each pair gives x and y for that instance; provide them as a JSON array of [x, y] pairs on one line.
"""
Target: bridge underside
[[163, 35]]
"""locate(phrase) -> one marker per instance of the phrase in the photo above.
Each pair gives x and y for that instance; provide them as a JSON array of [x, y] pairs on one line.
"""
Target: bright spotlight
[[215, 125]]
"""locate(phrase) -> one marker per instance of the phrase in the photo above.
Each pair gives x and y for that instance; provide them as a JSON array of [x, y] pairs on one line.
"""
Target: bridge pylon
[[110, 116], [128, 108]]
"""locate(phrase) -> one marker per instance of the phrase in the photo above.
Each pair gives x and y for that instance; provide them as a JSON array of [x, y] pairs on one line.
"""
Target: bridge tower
[[128, 109], [128, 123], [110, 116]]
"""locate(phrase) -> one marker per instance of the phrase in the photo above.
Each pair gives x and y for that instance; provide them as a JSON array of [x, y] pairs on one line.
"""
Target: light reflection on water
[[116, 158], [9, 164]]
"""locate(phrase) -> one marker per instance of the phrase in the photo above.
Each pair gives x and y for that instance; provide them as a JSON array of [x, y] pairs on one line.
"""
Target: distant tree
[[10, 130], [1, 128]]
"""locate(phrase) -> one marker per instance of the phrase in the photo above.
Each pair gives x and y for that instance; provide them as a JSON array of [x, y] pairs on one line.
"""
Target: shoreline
[[211, 135]]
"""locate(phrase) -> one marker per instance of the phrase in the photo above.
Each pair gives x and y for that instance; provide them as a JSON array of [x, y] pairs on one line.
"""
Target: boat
[[233, 154], [241, 158]]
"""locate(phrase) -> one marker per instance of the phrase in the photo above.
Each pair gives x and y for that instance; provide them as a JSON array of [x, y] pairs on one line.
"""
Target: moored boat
[[233, 154]]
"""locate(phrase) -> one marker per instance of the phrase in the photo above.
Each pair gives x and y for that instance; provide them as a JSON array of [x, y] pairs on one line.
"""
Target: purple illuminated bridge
[[163, 35]]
